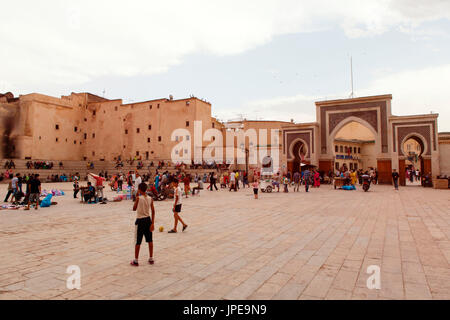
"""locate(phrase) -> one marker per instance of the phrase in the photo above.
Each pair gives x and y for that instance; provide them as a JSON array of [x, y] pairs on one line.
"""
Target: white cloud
[[413, 92], [72, 42], [301, 108], [416, 92]]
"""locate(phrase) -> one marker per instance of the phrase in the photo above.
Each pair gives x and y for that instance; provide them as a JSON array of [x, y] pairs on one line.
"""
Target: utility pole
[[351, 76]]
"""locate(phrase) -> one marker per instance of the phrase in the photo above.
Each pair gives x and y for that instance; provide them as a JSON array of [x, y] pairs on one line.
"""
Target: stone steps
[[80, 167]]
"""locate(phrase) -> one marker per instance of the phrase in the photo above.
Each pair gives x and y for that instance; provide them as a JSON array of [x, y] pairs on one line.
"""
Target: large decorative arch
[[374, 110], [348, 120]]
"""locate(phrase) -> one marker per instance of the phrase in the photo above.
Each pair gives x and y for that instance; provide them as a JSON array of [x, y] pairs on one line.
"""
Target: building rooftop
[[354, 140], [358, 99]]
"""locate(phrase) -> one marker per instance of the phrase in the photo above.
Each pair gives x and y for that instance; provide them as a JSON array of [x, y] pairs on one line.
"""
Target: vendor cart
[[339, 182], [266, 183]]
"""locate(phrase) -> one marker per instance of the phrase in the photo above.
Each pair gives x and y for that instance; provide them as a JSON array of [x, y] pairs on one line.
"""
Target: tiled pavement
[[282, 246]]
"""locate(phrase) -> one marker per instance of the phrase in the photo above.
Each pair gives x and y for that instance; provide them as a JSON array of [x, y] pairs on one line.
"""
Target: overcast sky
[[260, 59]]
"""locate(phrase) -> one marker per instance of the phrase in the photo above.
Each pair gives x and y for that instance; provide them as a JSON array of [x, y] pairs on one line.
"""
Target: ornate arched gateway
[[423, 129], [374, 113]]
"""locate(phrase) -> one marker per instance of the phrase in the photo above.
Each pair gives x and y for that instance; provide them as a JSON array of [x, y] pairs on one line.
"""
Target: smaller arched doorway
[[412, 163], [298, 153]]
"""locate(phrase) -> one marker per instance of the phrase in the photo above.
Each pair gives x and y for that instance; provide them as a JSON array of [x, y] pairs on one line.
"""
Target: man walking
[[306, 176], [213, 180], [395, 177]]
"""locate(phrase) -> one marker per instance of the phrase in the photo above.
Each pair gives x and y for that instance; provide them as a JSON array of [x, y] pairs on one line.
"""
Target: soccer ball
[[161, 229]]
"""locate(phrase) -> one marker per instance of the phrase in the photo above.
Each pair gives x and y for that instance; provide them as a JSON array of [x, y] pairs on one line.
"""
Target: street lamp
[[247, 152]]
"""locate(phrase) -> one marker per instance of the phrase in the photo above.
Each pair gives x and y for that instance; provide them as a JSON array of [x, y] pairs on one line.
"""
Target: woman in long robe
[[316, 179], [354, 177], [157, 182]]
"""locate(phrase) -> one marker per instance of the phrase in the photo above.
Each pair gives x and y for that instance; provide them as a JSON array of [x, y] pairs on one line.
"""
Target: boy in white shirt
[[144, 224], [178, 195]]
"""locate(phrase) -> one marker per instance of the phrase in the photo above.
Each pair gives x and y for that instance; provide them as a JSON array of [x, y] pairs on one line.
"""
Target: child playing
[[144, 224], [177, 206], [255, 188]]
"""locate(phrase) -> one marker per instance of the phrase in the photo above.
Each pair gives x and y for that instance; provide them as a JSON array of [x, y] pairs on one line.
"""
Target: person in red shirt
[[98, 185]]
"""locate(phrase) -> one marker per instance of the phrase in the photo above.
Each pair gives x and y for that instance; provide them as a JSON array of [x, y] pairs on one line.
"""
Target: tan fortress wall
[[85, 126], [142, 129]]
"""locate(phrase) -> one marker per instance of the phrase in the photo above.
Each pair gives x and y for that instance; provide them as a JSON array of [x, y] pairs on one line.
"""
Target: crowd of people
[[412, 174], [352, 177], [39, 165], [9, 164], [32, 190]]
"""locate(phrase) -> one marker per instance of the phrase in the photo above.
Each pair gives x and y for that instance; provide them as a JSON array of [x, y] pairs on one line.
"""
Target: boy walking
[[177, 207], [144, 224]]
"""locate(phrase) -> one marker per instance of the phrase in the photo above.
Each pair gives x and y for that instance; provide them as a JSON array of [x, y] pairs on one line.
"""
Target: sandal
[[151, 261], [134, 263], [172, 231], [184, 227]]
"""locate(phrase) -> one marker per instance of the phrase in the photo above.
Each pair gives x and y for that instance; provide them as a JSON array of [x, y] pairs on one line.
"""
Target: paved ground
[[283, 246]]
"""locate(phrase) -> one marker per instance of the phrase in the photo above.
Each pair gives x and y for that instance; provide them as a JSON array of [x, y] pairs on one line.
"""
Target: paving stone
[[283, 246]]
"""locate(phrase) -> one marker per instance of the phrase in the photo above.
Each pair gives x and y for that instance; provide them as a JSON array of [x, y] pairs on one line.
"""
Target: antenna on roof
[[104, 91]]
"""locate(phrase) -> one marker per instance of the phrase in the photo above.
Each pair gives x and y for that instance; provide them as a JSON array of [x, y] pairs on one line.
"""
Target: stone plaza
[[315, 245]]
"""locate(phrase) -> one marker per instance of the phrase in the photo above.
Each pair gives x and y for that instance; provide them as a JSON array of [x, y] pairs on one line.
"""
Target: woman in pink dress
[[316, 179]]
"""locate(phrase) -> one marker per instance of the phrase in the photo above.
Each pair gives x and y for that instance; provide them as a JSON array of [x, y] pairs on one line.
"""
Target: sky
[[254, 59]]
